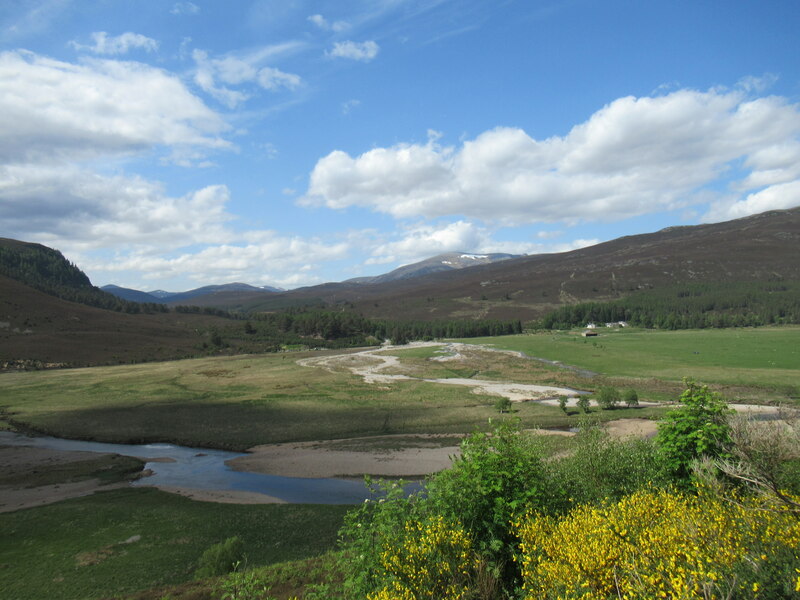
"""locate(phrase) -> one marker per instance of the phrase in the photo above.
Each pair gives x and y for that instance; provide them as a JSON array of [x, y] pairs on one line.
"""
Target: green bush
[[604, 468], [220, 559], [630, 398], [503, 405], [608, 397], [697, 428], [583, 403]]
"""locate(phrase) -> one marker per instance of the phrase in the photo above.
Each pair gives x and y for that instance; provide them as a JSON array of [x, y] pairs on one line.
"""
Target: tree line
[[49, 272], [690, 306]]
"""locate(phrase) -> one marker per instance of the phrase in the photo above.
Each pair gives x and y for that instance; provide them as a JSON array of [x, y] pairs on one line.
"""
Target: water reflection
[[202, 469]]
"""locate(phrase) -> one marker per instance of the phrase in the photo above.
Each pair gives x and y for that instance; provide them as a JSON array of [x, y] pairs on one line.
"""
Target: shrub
[[376, 523], [608, 397], [503, 405], [662, 544], [496, 477], [220, 559], [584, 403], [433, 559], [604, 468], [630, 398], [696, 428], [562, 404]]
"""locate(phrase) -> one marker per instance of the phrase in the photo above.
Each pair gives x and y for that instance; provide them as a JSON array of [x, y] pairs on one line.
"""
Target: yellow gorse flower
[[652, 544], [433, 559]]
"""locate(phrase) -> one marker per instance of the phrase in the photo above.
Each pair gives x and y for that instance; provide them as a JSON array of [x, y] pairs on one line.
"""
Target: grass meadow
[[123, 541], [761, 364], [76, 549], [239, 402]]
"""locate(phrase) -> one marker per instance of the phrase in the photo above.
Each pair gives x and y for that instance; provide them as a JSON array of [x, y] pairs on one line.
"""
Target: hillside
[[37, 329], [758, 248]]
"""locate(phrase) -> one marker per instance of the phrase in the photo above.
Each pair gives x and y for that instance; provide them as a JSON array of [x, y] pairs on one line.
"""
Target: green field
[[74, 549], [765, 358], [239, 402], [77, 548], [235, 403]]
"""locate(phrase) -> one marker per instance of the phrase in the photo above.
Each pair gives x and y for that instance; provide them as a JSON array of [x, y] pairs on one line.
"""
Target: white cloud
[[239, 70], [184, 8], [58, 111], [363, 51], [424, 241], [774, 197], [274, 79], [272, 260], [634, 156], [75, 208], [121, 44], [324, 24]]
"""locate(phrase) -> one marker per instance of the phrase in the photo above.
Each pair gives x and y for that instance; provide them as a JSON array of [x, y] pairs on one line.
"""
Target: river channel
[[203, 469]]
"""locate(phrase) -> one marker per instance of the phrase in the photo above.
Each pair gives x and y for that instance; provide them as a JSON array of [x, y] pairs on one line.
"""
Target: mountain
[[209, 290], [162, 297], [132, 295], [761, 247], [443, 262]]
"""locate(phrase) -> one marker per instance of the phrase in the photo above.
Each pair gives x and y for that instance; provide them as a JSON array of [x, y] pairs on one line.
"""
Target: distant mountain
[[132, 295], [209, 290], [761, 247], [442, 262], [160, 293], [162, 297]]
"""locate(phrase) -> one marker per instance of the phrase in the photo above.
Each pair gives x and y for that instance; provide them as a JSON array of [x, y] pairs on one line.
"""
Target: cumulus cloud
[[423, 241], [59, 121], [774, 197], [120, 44], [325, 25], [363, 51], [273, 259], [632, 157], [238, 70], [76, 208], [52, 110]]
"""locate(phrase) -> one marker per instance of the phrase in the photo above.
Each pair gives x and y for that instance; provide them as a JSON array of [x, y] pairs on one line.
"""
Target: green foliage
[[695, 429], [603, 468], [562, 404], [608, 397], [503, 405], [377, 522], [583, 403], [220, 559], [497, 476], [690, 306], [48, 271], [243, 585], [630, 398]]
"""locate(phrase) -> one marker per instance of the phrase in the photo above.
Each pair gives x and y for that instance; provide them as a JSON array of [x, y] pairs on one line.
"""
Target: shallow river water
[[202, 469]]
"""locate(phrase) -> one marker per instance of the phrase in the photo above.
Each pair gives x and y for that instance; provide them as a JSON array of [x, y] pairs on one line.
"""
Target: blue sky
[[168, 145]]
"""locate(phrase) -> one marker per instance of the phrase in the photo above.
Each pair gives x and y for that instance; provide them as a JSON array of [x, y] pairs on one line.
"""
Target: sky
[[169, 145]]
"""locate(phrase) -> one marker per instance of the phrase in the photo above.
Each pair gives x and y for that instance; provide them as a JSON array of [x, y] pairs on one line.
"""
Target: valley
[[361, 378]]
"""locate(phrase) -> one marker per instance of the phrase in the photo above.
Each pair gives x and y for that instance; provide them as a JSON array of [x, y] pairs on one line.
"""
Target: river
[[203, 469]]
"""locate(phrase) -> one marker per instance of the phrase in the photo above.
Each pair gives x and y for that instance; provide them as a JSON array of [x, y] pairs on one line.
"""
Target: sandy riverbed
[[19, 460], [420, 456]]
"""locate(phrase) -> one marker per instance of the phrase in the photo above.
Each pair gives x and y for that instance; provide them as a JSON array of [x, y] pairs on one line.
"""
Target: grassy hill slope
[[757, 248]]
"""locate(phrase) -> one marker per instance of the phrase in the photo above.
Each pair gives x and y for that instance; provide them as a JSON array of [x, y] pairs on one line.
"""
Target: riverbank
[[40, 476]]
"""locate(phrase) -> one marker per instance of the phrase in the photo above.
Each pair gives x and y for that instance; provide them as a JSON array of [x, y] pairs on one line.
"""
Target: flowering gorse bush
[[432, 559], [662, 544]]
